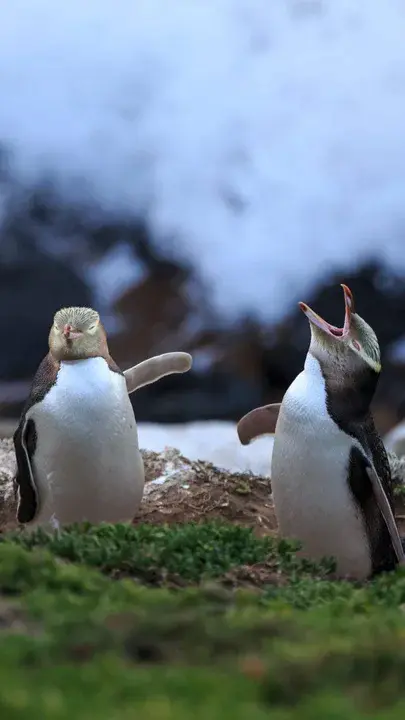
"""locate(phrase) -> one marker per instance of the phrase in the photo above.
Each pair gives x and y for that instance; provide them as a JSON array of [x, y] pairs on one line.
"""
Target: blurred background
[[194, 173]]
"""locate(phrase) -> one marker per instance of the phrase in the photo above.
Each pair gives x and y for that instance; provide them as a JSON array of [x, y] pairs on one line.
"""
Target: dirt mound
[[181, 490], [7, 497], [178, 490]]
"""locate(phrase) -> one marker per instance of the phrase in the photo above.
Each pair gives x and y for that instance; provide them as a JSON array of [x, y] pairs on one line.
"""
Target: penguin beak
[[349, 308], [329, 329], [70, 333]]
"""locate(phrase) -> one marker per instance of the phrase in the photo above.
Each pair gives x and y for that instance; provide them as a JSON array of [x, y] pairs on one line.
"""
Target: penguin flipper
[[24, 444], [154, 368], [258, 422], [386, 511]]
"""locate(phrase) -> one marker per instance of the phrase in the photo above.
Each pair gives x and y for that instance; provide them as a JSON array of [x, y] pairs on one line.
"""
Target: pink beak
[[71, 334], [329, 329]]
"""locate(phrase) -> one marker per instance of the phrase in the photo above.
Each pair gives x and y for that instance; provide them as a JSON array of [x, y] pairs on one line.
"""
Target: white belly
[[312, 499], [87, 463]]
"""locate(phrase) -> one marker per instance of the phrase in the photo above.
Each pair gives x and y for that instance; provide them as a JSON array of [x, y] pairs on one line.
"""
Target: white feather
[[87, 463], [309, 468]]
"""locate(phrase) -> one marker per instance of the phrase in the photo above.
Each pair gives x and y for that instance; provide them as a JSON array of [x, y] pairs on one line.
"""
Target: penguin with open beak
[[330, 474], [77, 443]]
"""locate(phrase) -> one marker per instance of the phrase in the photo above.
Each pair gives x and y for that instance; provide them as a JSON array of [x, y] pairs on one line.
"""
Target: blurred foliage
[[77, 643]]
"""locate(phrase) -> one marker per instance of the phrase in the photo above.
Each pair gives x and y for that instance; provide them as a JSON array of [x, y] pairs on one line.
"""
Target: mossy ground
[[206, 621]]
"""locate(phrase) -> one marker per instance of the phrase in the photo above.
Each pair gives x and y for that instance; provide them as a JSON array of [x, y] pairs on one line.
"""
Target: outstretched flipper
[[151, 370], [258, 422], [24, 444]]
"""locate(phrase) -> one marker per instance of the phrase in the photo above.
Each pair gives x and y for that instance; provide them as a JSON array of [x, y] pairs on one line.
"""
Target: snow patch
[[215, 442]]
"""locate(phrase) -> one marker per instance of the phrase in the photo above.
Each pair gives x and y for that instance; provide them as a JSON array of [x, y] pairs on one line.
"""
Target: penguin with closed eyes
[[76, 444]]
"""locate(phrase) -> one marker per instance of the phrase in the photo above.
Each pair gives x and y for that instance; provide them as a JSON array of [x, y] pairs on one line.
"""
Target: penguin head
[[350, 348], [76, 334]]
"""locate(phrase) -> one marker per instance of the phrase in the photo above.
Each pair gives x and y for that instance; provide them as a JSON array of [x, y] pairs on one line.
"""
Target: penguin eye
[[356, 345]]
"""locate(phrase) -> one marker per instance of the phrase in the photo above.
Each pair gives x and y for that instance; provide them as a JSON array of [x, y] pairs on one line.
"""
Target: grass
[[146, 551], [124, 622]]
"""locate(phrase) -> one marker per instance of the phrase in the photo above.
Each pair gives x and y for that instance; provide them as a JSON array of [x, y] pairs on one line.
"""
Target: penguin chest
[[309, 474], [87, 463]]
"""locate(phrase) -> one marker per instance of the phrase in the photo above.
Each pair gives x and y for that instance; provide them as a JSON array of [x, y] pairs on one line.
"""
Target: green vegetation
[[202, 621], [191, 551]]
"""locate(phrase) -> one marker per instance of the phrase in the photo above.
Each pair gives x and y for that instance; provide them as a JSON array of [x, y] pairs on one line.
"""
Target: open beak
[[329, 329], [70, 333]]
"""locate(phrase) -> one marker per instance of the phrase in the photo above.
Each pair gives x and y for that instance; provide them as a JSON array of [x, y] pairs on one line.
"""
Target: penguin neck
[[348, 395], [312, 365]]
